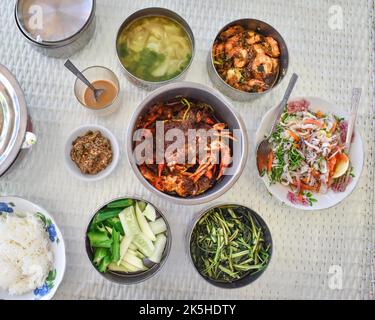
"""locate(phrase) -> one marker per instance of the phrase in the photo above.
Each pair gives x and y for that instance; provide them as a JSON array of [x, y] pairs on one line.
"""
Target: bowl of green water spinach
[[230, 245]]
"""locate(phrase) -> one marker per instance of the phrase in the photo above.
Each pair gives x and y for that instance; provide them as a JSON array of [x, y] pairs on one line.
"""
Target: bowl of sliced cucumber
[[128, 240]]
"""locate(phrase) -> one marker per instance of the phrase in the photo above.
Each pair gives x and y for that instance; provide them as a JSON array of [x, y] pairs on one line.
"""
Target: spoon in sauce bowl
[[71, 67]]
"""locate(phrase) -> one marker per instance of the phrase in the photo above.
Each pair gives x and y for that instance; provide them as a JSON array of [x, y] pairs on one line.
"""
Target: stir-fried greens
[[308, 152], [228, 243]]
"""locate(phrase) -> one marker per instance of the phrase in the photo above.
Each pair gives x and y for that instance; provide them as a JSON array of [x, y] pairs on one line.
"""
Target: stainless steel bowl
[[131, 278], [264, 29], [54, 28], [147, 12], [16, 136], [223, 110], [246, 279]]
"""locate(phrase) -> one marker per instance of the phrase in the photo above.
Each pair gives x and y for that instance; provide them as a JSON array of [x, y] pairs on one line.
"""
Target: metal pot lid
[[53, 22], [13, 118]]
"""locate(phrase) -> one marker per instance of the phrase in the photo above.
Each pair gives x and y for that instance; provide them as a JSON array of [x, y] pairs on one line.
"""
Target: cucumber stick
[[150, 212], [143, 224], [129, 221], [136, 253], [160, 243], [129, 267], [132, 246], [125, 246], [144, 244], [134, 260], [158, 226], [142, 205], [115, 267]]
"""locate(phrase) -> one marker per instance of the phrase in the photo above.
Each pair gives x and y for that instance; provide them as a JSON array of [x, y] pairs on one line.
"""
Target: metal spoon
[[97, 92], [264, 147]]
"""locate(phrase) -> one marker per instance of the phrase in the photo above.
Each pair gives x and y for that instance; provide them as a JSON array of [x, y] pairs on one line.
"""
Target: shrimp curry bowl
[[249, 56], [187, 144]]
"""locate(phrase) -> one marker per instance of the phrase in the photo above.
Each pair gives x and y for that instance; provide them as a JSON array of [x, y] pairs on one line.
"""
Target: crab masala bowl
[[203, 170]]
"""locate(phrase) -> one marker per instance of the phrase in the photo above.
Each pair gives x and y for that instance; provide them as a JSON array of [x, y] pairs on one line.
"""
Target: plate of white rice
[[32, 251]]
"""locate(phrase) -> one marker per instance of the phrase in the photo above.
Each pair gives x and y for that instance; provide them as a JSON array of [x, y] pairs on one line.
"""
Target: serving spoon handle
[[283, 102], [71, 67], [264, 147]]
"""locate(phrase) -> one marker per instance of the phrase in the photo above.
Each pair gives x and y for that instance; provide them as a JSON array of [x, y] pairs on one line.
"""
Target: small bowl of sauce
[[101, 78]]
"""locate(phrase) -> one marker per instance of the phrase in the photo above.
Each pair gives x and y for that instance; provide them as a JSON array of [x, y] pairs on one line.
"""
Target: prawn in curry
[[246, 60]]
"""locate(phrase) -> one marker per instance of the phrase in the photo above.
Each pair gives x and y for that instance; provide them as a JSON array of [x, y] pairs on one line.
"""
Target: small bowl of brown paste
[[91, 152]]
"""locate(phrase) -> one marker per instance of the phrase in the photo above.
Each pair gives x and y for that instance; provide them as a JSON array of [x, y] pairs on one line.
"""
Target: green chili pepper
[[104, 264], [115, 245], [99, 239], [122, 203], [100, 253], [115, 223], [106, 213]]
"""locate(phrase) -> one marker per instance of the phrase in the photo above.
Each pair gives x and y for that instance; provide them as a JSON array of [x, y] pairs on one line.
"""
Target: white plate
[[80, 131], [330, 198], [48, 290]]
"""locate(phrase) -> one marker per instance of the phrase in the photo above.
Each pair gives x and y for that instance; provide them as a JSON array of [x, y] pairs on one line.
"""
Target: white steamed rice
[[25, 253]]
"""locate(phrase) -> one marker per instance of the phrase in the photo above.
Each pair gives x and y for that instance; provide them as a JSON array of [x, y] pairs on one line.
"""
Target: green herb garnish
[[310, 198]]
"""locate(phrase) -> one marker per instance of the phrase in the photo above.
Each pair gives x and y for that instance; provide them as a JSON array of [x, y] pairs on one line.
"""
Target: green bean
[[228, 244]]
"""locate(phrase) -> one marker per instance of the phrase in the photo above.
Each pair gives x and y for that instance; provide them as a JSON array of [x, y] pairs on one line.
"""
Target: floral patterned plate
[[315, 201], [11, 205]]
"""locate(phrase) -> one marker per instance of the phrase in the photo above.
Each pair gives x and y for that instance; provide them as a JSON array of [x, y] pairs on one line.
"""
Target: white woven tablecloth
[[330, 62]]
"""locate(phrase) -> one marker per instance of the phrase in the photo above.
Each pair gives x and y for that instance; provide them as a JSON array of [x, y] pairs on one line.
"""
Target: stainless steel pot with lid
[[57, 28], [13, 120]]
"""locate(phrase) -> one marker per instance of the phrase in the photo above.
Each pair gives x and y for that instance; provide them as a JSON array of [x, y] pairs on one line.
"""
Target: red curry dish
[[197, 175], [246, 60]]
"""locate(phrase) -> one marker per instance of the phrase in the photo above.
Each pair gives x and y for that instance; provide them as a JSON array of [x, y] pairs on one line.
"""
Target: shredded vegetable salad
[[308, 152]]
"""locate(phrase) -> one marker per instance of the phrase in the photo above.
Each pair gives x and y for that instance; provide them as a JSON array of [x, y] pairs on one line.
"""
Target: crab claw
[[223, 167], [219, 126], [209, 174]]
